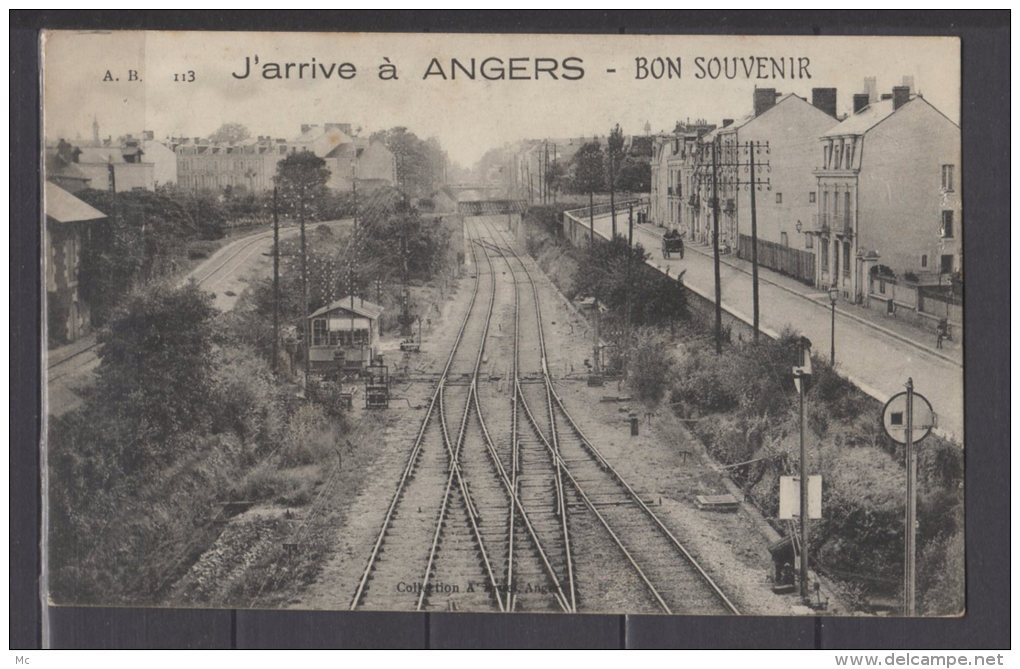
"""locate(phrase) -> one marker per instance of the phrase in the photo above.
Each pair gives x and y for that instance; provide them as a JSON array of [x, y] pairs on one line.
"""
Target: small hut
[[345, 335]]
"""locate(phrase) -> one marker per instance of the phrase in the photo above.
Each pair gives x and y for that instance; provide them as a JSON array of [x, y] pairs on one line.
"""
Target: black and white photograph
[[536, 323]]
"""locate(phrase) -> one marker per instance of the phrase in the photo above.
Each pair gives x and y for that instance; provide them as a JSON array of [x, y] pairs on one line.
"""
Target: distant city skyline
[[476, 115]]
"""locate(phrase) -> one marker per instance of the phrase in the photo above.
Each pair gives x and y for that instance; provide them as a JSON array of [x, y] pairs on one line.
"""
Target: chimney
[[824, 99], [871, 88], [887, 96], [764, 99], [727, 122], [860, 102], [900, 95]]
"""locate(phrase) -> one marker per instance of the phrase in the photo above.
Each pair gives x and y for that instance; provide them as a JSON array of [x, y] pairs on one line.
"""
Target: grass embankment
[[187, 416], [742, 407]]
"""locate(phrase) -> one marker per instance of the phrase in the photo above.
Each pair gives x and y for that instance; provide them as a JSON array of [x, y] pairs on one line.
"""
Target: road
[[225, 274], [875, 361]]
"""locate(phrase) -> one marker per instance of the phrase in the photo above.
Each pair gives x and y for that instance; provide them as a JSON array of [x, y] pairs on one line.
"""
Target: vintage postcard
[[503, 322]]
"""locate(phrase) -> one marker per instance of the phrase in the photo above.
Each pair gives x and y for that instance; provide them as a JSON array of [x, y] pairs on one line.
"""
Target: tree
[[143, 238], [230, 132], [420, 163], [634, 176], [589, 168], [615, 146], [555, 176], [301, 179], [156, 361]]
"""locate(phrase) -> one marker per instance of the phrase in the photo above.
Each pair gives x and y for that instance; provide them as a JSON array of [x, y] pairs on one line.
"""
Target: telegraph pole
[[591, 216], [732, 180], [801, 377], [715, 248], [910, 563], [752, 148], [276, 279], [612, 190], [304, 286]]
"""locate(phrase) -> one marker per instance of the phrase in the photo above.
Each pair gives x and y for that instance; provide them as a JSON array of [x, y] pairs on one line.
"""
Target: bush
[[243, 398], [651, 366], [309, 437], [861, 531]]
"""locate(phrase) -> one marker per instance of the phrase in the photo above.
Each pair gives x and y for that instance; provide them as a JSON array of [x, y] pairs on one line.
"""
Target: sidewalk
[[878, 357], [951, 351]]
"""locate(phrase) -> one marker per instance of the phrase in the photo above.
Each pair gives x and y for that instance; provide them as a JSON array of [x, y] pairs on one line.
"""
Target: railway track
[[461, 499], [672, 579], [229, 262]]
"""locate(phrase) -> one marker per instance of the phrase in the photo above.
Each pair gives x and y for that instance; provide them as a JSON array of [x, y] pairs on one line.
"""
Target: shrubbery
[[178, 416], [743, 407]]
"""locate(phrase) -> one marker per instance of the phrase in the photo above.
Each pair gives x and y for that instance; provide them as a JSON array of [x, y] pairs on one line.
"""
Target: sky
[[468, 117]]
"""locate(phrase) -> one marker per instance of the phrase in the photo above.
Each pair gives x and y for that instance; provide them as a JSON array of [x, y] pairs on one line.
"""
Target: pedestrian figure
[[940, 334], [681, 248]]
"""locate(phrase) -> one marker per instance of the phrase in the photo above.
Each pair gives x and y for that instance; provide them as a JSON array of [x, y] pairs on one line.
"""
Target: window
[[811, 197], [946, 264], [947, 178], [779, 198], [846, 258], [319, 336], [809, 241], [784, 239], [824, 247], [947, 224], [924, 261]]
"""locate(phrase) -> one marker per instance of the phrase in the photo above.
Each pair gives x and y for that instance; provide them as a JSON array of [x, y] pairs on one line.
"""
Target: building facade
[[784, 207], [69, 223], [344, 335], [118, 168], [163, 159], [888, 202], [251, 165]]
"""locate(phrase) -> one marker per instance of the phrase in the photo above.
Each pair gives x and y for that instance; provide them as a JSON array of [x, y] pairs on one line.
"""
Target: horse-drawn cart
[[672, 242]]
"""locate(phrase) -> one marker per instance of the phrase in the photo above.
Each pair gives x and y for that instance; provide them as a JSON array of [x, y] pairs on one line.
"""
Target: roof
[[869, 117], [57, 167], [63, 207], [864, 120], [738, 123], [101, 154], [361, 307]]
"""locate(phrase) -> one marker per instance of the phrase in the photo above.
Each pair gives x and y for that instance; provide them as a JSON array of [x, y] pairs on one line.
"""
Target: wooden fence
[[783, 259]]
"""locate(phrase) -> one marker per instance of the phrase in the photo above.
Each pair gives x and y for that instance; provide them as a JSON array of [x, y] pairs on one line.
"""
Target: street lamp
[[833, 296]]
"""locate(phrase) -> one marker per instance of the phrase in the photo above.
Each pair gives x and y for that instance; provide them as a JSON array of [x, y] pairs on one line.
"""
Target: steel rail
[[511, 482], [415, 449], [594, 452], [561, 502], [519, 506], [641, 503], [230, 256], [454, 449], [591, 505]]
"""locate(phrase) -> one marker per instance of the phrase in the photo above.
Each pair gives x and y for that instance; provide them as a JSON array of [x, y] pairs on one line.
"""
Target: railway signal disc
[[894, 418]]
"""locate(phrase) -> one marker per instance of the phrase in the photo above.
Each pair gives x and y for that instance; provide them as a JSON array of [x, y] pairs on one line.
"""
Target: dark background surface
[[986, 140]]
